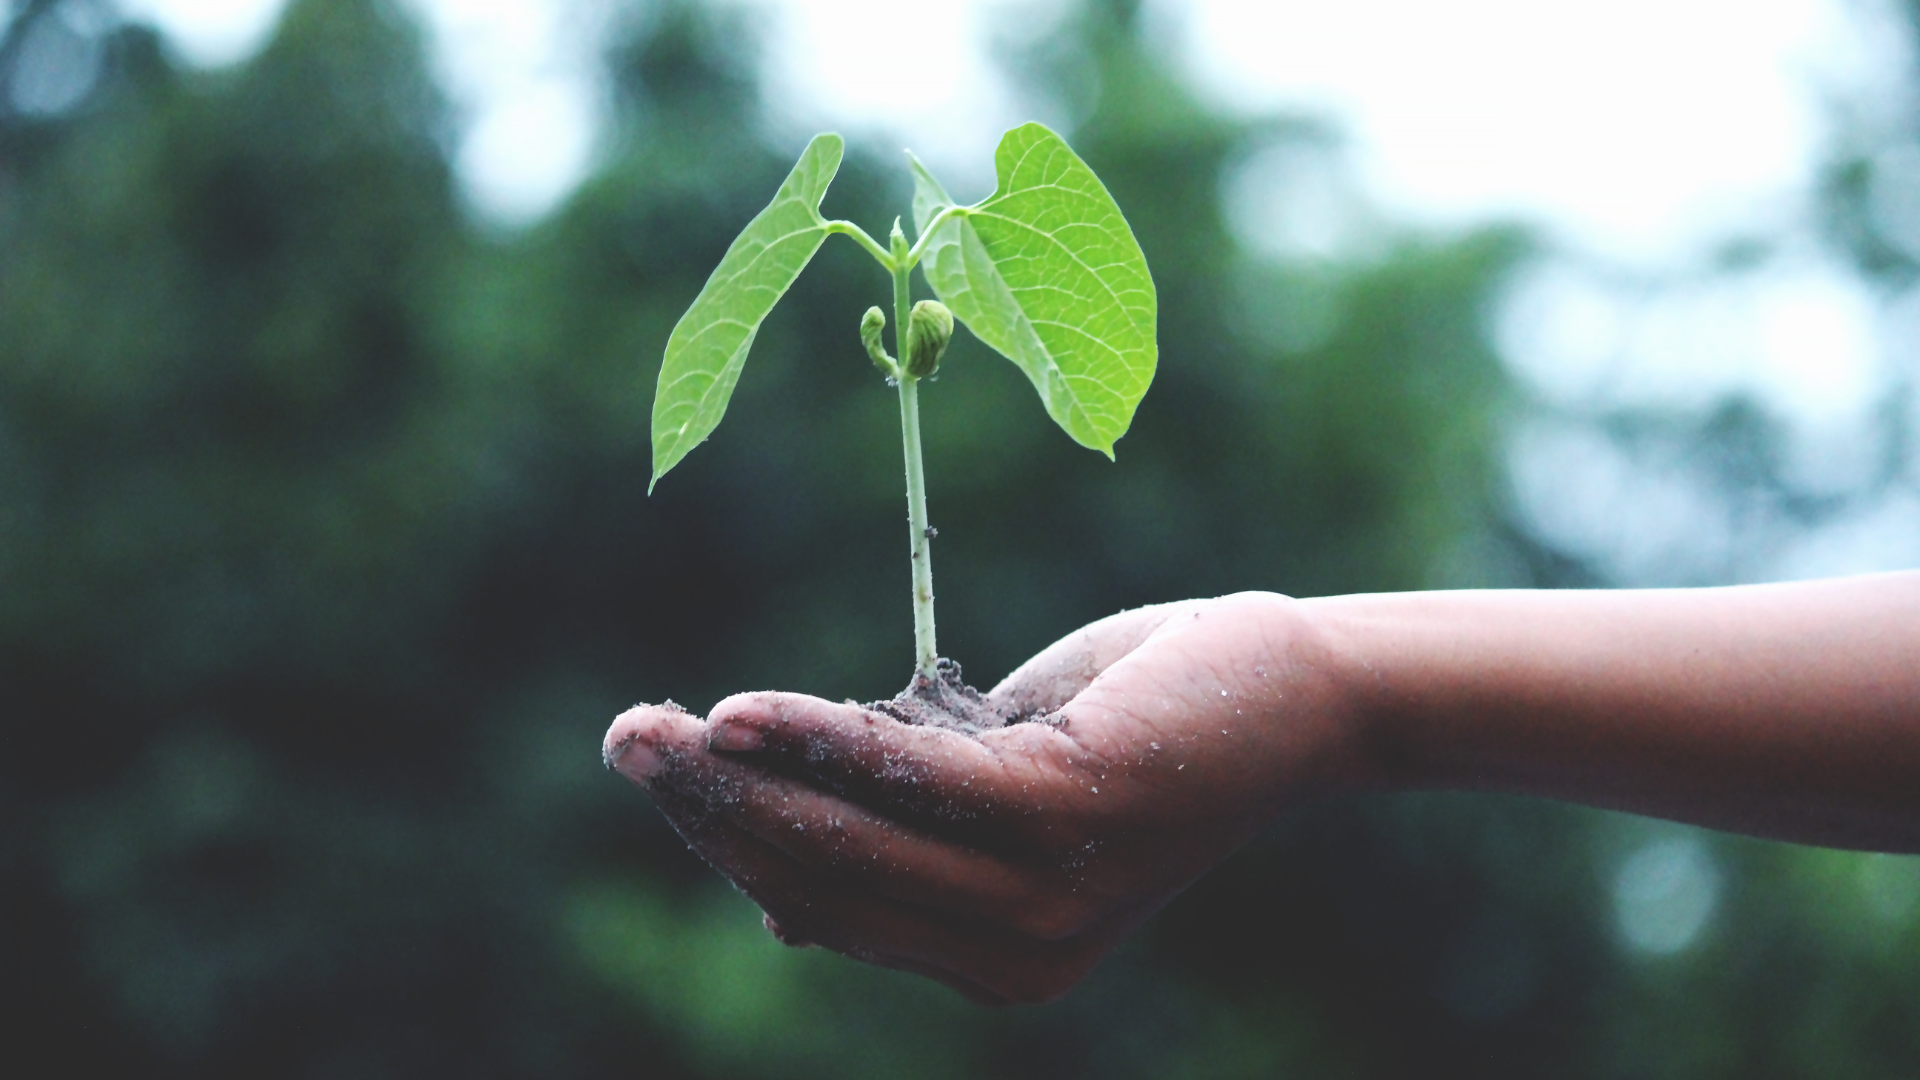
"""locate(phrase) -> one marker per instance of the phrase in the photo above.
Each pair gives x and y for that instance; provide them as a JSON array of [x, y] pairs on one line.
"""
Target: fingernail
[[633, 758], [625, 750], [737, 738]]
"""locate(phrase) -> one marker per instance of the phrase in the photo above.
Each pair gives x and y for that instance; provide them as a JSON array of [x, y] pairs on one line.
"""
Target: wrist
[[1352, 637], [1319, 732]]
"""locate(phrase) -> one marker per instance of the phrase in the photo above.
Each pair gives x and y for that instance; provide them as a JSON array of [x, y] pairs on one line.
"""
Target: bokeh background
[[325, 553]]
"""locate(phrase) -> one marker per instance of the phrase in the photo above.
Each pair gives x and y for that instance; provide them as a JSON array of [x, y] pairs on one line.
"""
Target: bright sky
[[1633, 127]]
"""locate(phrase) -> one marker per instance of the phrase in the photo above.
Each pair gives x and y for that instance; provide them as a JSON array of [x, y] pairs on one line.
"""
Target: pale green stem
[[926, 234], [860, 237], [927, 654]]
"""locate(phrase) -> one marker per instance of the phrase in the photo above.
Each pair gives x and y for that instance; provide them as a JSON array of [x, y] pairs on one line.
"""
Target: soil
[[947, 702]]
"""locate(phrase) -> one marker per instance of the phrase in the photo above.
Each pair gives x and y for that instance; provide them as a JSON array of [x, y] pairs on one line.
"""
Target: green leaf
[[709, 344], [1046, 271]]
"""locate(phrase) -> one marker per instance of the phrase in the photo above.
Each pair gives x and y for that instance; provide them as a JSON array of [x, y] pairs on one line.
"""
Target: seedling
[[1045, 271]]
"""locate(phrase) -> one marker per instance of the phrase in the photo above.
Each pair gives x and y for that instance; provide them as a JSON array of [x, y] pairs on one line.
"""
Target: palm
[[1004, 865]]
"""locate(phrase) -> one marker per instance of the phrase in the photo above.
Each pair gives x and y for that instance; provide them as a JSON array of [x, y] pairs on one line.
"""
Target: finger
[[1059, 672], [930, 776], [876, 854], [985, 964], [779, 886], [646, 738], [663, 748]]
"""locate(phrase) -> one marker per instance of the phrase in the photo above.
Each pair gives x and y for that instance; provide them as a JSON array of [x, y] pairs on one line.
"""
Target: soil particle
[[948, 702]]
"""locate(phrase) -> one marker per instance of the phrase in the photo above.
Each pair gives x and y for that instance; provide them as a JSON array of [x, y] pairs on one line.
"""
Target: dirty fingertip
[[782, 723], [733, 737], [629, 746], [757, 709]]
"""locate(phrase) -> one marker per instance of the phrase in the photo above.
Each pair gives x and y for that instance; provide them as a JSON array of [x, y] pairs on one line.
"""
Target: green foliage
[[745, 1010], [709, 344], [1052, 277], [1047, 272]]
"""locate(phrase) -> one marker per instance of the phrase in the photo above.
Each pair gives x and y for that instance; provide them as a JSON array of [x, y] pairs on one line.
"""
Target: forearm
[[1786, 711]]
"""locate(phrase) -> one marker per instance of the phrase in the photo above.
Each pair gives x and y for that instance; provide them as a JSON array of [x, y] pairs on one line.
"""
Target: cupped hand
[[1007, 865]]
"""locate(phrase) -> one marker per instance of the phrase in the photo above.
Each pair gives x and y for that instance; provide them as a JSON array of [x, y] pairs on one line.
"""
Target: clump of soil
[[946, 702]]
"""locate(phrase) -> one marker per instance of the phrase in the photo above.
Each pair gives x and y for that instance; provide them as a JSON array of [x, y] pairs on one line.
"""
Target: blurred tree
[[242, 481]]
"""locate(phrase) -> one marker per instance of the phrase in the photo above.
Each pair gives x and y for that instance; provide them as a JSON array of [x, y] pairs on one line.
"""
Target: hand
[[1007, 866]]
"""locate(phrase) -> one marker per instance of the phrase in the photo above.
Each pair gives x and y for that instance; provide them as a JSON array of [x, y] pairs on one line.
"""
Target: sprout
[[929, 329], [1045, 271], [871, 324]]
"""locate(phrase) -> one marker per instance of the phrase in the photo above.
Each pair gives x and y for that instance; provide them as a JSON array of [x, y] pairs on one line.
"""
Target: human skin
[[1007, 865]]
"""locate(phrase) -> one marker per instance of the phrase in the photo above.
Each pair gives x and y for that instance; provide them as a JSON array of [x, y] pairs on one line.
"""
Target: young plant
[[1045, 271]]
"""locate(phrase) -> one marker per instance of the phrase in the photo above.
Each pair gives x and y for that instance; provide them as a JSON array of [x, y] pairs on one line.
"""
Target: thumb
[[1058, 673]]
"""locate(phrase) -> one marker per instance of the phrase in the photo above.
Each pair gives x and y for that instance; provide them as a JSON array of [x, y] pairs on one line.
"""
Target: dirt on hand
[[948, 702]]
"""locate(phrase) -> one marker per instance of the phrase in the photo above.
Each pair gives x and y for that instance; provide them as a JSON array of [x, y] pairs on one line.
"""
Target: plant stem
[[927, 655], [859, 235], [933, 226]]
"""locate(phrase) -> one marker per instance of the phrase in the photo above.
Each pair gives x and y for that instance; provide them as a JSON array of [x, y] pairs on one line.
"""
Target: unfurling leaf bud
[[929, 328], [871, 324]]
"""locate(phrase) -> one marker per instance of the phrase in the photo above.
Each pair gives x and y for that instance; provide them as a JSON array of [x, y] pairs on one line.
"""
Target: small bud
[[871, 324], [929, 329], [897, 241]]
